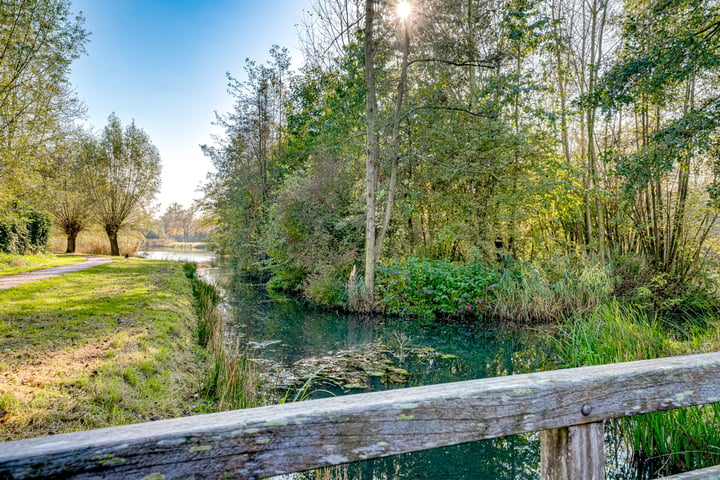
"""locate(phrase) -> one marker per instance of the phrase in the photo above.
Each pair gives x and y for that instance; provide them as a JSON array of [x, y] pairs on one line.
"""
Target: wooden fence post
[[573, 453]]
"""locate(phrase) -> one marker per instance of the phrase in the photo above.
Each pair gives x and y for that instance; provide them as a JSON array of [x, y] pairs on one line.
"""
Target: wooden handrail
[[568, 406], [712, 473]]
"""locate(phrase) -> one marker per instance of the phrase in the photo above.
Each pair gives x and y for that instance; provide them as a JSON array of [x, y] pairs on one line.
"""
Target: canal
[[328, 353]]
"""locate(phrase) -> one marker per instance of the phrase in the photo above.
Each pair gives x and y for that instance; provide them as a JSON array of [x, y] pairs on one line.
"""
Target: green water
[[283, 330]]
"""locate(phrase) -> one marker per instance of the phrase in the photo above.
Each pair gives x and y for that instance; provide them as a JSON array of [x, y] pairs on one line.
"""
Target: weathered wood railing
[[567, 406]]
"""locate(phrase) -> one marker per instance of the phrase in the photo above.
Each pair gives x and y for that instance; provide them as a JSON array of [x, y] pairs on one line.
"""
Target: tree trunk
[[71, 241], [597, 26], [395, 144], [371, 155], [112, 233]]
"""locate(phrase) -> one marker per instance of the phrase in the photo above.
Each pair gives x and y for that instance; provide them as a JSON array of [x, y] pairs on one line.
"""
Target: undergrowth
[[427, 288]]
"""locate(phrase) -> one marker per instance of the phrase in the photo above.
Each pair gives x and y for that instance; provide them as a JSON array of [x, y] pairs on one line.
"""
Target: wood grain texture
[[571, 453], [262, 442], [554, 454], [712, 473]]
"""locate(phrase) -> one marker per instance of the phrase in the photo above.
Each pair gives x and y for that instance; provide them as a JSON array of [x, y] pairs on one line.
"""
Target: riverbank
[[107, 346]]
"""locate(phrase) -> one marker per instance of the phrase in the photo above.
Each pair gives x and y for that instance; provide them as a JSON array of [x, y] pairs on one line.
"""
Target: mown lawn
[[10, 264], [106, 346]]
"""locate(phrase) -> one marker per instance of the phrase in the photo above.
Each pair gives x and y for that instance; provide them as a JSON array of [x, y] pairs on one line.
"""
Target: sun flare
[[404, 9]]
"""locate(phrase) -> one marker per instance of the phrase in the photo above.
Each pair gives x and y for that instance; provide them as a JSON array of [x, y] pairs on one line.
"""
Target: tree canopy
[[473, 131], [121, 173]]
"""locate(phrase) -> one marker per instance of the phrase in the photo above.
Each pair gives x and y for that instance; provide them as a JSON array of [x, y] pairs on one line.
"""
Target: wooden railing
[[568, 407]]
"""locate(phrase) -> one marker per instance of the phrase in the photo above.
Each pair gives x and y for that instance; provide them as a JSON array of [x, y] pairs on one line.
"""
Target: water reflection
[[290, 331], [283, 330], [193, 256]]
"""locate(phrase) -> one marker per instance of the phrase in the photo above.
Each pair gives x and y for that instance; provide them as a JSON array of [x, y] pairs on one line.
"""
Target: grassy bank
[[234, 380], [10, 264], [106, 346]]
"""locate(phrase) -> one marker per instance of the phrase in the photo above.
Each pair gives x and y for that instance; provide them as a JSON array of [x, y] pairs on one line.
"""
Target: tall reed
[[95, 242], [662, 443], [235, 379], [544, 292]]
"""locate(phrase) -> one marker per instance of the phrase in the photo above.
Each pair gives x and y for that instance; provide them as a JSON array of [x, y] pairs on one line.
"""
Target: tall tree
[[65, 194], [39, 39], [666, 75], [122, 174], [372, 152]]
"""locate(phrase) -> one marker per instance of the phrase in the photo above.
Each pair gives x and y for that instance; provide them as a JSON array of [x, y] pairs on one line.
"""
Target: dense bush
[[430, 288], [24, 229], [314, 233]]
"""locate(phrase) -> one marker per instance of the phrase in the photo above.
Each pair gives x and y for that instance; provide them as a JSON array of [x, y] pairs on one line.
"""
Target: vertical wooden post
[[573, 453]]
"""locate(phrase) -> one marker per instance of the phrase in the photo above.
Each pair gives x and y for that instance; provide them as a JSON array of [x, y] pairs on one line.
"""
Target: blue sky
[[162, 63]]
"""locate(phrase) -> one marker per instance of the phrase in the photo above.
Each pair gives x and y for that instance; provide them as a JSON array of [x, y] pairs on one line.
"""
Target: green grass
[[663, 443], [10, 264], [106, 346]]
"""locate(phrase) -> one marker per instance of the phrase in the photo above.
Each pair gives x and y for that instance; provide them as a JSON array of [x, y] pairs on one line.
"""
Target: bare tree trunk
[[71, 240], [371, 155], [395, 145], [112, 233], [596, 30]]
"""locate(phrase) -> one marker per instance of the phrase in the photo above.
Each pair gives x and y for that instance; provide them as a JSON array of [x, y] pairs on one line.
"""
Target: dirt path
[[10, 281]]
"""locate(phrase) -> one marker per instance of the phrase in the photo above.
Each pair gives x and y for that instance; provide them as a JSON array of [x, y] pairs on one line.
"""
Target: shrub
[[430, 288], [24, 229], [13, 234], [38, 226], [326, 286]]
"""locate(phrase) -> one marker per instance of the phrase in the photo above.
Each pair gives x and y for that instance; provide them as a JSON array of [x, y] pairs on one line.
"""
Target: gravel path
[[10, 281]]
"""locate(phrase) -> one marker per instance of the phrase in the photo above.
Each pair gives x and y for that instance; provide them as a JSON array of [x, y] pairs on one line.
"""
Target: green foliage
[[327, 286], [314, 232], [23, 230], [38, 229], [666, 42], [13, 234], [689, 136], [39, 40], [428, 288]]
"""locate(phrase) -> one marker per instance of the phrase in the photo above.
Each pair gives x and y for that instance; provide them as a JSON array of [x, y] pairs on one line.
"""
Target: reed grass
[[235, 380], [662, 443], [95, 242], [544, 292]]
